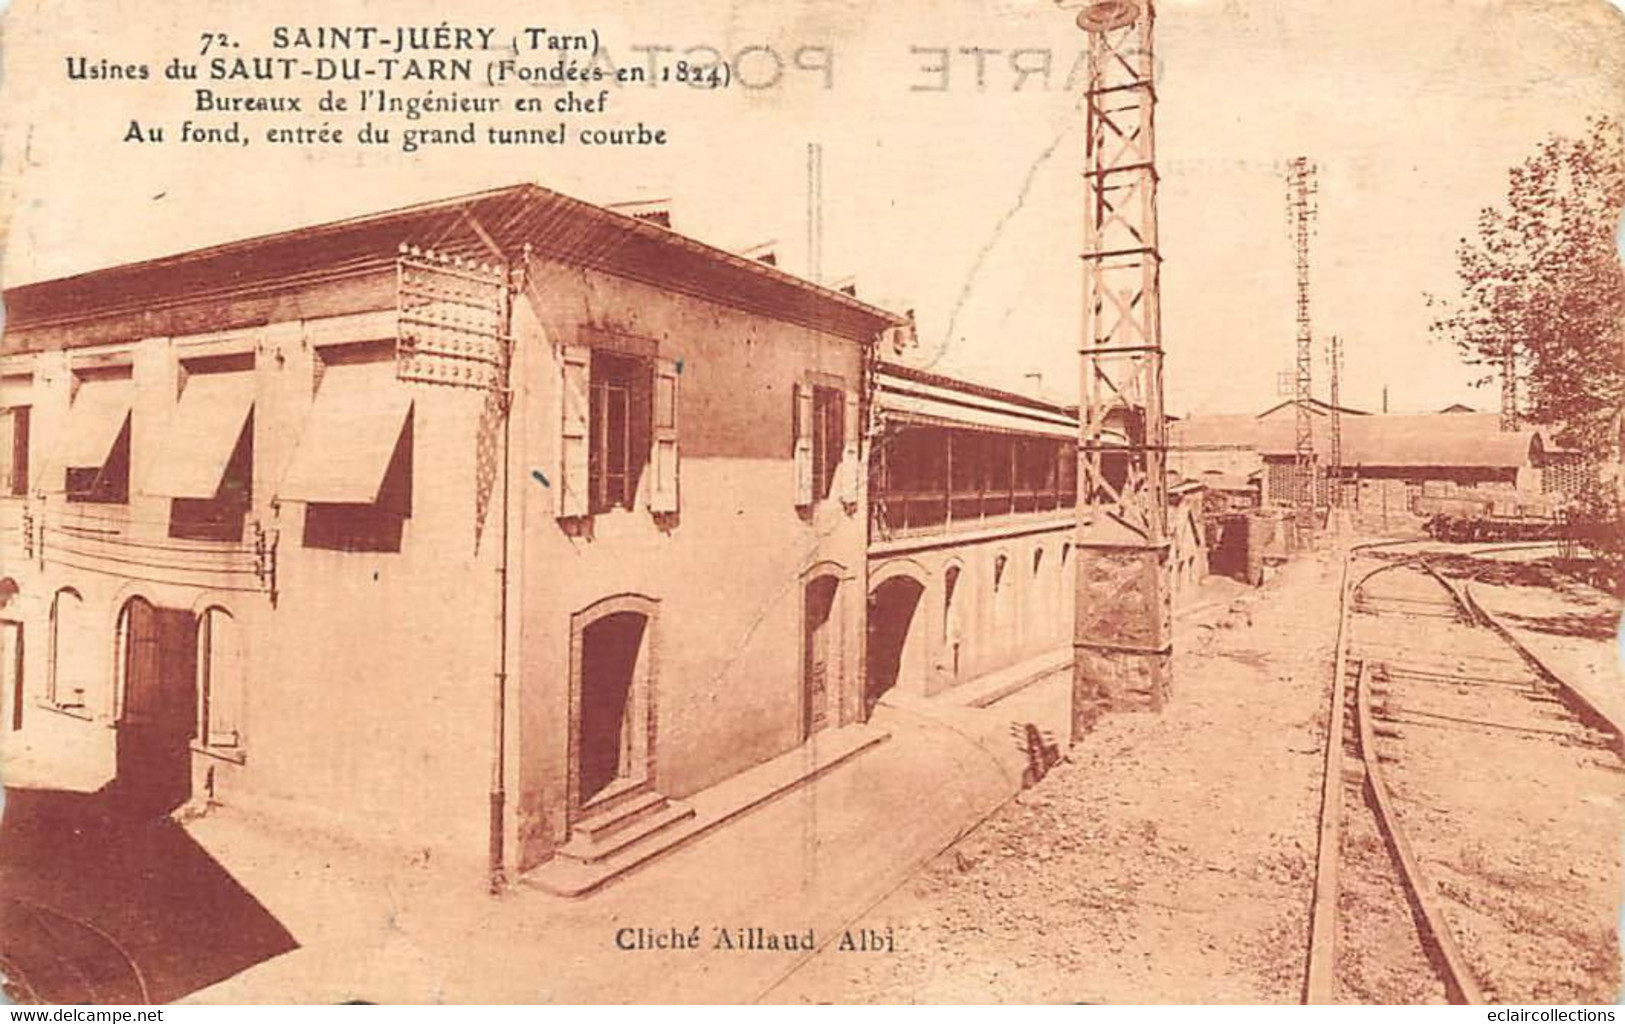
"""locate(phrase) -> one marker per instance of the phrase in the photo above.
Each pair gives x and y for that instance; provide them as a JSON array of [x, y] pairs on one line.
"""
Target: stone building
[[971, 497], [479, 547]]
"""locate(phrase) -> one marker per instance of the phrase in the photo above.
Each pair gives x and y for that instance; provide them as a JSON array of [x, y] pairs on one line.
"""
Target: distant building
[[1289, 408], [1390, 462]]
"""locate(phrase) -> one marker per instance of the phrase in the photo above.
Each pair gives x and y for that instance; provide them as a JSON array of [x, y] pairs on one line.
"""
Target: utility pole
[[1301, 208], [1509, 388], [815, 212], [1122, 640]]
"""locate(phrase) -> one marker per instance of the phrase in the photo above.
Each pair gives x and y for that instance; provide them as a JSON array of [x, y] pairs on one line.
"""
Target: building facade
[[461, 548], [499, 528], [971, 496]]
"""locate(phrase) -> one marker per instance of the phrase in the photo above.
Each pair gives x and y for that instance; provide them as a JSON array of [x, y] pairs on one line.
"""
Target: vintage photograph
[[814, 501]]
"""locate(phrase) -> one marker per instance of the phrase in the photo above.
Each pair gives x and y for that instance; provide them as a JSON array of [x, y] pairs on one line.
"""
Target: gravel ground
[[1512, 808], [1170, 858]]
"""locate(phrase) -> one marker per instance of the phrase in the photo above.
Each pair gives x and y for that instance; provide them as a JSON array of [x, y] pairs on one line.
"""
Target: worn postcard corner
[[818, 502]]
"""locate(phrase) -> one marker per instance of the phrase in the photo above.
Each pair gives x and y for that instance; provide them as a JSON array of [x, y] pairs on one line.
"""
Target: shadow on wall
[[105, 899], [891, 617]]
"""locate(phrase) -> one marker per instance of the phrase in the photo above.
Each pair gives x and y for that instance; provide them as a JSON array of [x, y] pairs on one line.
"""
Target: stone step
[[568, 874], [587, 850], [987, 690], [617, 794], [565, 875], [623, 814]]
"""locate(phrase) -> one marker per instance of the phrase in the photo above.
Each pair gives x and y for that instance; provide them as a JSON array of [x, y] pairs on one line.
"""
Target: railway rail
[[47, 956], [1415, 655]]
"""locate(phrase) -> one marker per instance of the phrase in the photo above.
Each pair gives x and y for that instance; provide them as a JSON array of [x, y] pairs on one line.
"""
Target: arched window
[[68, 682], [998, 572], [950, 584], [220, 671], [1038, 561], [136, 654]]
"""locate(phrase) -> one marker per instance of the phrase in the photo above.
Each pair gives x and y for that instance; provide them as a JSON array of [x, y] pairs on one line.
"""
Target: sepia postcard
[[812, 501]]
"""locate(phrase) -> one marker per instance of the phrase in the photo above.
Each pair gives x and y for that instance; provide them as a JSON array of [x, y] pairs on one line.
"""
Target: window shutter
[[8, 442], [221, 656], [804, 444], [850, 482], [574, 403], [663, 451]]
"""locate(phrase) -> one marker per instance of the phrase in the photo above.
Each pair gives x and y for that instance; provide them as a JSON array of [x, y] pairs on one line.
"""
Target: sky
[[956, 194]]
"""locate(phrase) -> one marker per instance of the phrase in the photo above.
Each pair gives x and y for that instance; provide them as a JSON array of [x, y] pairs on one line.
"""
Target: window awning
[[350, 435], [97, 414], [923, 411], [15, 391], [191, 461]]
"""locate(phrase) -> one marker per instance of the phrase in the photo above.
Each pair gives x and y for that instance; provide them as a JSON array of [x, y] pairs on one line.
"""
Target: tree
[[1542, 282]]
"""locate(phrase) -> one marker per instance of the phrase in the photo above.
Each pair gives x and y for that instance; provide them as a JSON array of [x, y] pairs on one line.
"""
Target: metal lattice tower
[[1334, 368], [1301, 210], [1122, 645]]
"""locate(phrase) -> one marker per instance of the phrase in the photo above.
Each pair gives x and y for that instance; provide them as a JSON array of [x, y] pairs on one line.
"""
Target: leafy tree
[[1543, 276]]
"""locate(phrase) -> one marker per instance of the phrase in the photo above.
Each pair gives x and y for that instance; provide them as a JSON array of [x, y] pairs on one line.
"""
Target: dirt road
[[1170, 859]]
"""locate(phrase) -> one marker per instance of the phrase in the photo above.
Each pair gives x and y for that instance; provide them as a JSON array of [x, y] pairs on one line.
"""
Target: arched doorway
[[156, 705], [611, 741], [1033, 621], [891, 654], [1002, 612], [820, 655], [952, 627], [72, 681]]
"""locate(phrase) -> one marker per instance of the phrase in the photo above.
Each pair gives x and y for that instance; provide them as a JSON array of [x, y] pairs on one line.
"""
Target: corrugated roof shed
[[1217, 432], [1423, 439]]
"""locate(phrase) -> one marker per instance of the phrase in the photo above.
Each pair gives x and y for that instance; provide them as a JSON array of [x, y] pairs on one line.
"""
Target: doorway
[[11, 673], [892, 651], [952, 628], [157, 706], [612, 727], [820, 653]]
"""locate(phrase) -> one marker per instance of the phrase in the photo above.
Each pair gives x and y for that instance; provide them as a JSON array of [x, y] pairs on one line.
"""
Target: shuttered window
[[619, 431], [825, 444], [70, 676], [14, 426], [829, 437], [220, 666], [574, 402], [16, 397], [618, 436], [802, 417]]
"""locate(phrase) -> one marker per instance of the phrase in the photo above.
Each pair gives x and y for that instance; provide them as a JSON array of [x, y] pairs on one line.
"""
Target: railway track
[[47, 956], [1434, 712]]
